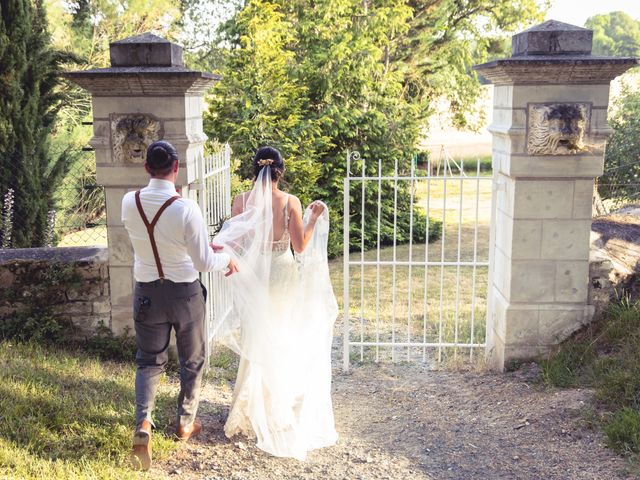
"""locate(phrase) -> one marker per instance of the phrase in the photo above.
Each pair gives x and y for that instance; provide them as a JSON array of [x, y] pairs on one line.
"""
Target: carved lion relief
[[131, 135], [557, 128]]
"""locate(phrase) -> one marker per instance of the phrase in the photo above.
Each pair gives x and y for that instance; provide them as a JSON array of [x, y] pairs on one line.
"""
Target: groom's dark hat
[[161, 155]]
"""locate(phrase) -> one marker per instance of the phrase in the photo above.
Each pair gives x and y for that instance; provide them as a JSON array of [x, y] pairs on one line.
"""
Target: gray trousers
[[158, 307]]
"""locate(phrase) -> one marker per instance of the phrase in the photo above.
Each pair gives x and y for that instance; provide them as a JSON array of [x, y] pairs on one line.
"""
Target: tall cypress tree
[[29, 102]]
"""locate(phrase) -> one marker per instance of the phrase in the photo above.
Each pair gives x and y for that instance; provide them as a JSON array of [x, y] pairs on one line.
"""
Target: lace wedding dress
[[282, 327]]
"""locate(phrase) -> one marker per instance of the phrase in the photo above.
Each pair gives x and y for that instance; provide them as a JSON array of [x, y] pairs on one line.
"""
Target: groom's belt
[[160, 281], [164, 283]]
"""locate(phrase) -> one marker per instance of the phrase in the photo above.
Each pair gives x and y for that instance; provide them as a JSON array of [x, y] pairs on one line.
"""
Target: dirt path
[[406, 422]]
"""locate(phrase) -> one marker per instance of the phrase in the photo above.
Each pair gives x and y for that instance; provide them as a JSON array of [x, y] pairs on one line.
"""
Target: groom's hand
[[232, 268]]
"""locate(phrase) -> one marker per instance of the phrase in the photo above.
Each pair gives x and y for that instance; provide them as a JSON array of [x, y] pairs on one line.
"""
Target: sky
[[576, 12]]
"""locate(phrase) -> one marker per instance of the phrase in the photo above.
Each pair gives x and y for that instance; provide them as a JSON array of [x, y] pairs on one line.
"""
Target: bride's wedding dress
[[282, 327]]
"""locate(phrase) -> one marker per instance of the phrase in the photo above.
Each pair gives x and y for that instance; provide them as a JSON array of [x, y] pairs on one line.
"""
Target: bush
[[106, 345]]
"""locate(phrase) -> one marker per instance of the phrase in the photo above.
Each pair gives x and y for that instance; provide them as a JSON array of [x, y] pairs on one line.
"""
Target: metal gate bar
[[445, 176]]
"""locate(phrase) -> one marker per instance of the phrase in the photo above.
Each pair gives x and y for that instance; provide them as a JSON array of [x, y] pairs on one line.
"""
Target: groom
[[171, 246]]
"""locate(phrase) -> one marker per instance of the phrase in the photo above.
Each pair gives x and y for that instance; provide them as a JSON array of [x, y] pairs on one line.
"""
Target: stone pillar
[[147, 94], [549, 128]]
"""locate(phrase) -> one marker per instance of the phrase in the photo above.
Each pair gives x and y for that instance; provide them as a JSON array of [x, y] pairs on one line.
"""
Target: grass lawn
[[418, 304], [69, 416]]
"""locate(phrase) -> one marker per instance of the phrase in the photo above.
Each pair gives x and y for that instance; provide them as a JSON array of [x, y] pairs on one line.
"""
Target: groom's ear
[[146, 167]]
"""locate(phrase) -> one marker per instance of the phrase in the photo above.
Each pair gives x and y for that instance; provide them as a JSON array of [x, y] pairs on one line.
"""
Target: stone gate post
[[147, 94], [549, 128]]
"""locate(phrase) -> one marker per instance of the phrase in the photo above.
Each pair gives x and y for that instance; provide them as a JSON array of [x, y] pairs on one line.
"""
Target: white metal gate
[[412, 299], [214, 197]]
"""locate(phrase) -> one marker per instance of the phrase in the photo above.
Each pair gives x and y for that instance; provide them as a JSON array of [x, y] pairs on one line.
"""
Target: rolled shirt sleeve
[[202, 255]]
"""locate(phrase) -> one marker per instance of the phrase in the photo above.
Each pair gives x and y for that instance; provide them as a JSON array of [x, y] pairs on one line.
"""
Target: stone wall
[[614, 266], [70, 283]]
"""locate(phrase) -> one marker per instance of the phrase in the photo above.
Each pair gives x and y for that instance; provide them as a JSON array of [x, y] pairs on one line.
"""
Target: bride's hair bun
[[268, 157]]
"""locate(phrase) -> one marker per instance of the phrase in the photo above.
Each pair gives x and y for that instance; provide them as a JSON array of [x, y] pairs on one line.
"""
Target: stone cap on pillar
[[144, 65], [554, 53]]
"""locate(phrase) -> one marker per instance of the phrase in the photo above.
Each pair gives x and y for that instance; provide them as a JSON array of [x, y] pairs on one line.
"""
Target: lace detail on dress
[[284, 243]]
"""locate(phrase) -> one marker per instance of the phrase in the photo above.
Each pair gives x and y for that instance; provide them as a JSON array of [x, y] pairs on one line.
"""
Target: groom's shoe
[[141, 455], [185, 433]]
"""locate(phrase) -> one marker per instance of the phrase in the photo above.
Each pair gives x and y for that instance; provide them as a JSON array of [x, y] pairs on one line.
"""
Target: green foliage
[[319, 79], [106, 345], [615, 34], [29, 100], [623, 431], [621, 179]]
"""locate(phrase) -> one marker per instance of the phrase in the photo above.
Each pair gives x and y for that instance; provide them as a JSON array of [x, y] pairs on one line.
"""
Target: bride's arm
[[301, 234]]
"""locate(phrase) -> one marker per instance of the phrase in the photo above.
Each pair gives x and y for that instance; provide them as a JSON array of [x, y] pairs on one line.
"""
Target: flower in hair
[[263, 162]]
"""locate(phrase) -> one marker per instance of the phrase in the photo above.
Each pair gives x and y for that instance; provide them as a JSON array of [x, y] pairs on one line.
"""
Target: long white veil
[[281, 325]]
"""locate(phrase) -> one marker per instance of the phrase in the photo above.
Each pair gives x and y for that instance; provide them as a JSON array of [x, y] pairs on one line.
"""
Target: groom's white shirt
[[180, 234]]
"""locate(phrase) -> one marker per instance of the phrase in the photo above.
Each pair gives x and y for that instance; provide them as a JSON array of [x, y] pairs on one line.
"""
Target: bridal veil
[[281, 325]]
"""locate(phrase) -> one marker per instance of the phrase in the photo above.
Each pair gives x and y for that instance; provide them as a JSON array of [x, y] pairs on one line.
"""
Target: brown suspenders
[[151, 226]]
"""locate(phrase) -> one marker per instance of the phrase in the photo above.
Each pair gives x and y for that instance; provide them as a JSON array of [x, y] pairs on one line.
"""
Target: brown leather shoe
[[141, 454], [185, 433]]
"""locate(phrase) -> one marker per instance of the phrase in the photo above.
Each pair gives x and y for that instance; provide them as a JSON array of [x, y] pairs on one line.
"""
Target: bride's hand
[[317, 208]]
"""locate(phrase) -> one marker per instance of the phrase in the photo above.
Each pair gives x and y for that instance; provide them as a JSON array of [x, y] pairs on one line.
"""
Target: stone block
[[557, 323], [526, 239], [509, 118], [599, 120], [121, 319], [102, 306], [520, 353], [552, 38], [509, 143], [532, 281], [498, 314], [165, 107], [121, 285], [597, 95], [121, 176], [522, 165], [544, 198], [521, 326], [565, 239], [145, 50], [583, 199], [502, 273], [504, 188], [6, 277], [121, 251], [572, 281], [495, 352], [503, 232], [73, 308], [113, 200], [502, 96]]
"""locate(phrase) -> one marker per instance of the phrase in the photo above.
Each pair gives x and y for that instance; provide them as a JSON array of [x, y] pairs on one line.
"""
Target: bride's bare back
[[284, 204]]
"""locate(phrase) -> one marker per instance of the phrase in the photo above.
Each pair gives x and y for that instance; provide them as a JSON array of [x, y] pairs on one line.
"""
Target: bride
[[282, 318]]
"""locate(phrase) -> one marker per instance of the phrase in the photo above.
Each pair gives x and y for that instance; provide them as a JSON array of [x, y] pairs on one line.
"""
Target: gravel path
[[402, 422]]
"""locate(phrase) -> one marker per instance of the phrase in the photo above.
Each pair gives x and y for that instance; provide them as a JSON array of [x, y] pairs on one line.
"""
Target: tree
[[615, 34], [29, 100], [261, 100], [621, 180], [359, 75]]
